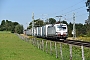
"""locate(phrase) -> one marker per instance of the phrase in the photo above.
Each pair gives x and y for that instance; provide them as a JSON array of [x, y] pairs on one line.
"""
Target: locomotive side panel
[[51, 31]]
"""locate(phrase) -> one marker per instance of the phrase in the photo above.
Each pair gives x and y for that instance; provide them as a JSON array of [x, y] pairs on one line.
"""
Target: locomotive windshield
[[61, 27]]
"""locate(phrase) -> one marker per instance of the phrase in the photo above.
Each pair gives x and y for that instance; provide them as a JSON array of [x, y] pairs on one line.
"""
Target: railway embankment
[[14, 48], [64, 50]]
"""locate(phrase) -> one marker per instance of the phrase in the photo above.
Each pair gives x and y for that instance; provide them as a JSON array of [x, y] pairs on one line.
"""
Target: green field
[[84, 38], [80, 38], [13, 48], [76, 51]]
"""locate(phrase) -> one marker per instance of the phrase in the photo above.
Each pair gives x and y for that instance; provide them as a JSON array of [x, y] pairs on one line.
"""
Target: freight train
[[53, 31]]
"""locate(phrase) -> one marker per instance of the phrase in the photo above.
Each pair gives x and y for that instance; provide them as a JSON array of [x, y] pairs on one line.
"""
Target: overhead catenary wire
[[68, 12], [69, 8], [73, 10], [65, 8], [76, 16]]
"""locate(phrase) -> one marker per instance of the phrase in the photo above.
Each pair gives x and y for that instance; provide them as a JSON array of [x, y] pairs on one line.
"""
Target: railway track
[[73, 42], [76, 42]]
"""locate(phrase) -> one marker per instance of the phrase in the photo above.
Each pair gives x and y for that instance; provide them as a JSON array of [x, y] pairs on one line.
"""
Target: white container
[[34, 31], [44, 30], [39, 31], [28, 32]]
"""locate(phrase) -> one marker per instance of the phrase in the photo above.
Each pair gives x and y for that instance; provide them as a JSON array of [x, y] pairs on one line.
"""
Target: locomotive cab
[[61, 31]]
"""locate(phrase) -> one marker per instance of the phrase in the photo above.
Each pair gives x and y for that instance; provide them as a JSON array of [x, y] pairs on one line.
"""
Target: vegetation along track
[[75, 42]]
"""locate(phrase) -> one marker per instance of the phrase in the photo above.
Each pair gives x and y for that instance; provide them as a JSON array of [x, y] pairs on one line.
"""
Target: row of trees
[[14, 27], [81, 29], [39, 22]]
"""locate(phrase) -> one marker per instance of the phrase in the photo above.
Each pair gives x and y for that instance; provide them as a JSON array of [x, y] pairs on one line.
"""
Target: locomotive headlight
[[65, 33], [58, 33]]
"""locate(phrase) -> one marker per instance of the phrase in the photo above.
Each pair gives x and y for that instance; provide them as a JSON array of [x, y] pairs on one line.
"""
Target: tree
[[37, 23], [46, 21], [8, 25], [52, 21], [64, 22], [88, 10], [15, 23], [19, 29], [87, 5], [70, 28], [2, 27], [80, 30], [3, 23], [88, 29], [13, 29], [13, 26]]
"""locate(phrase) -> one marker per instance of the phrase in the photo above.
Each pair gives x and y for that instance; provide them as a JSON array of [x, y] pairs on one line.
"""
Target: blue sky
[[21, 10]]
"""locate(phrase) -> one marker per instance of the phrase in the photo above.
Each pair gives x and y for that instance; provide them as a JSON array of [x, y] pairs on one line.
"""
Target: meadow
[[13, 48], [80, 38], [76, 50]]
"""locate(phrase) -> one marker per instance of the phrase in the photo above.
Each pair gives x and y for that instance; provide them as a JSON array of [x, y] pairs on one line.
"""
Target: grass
[[13, 48], [81, 38], [4, 31], [76, 51], [84, 38]]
